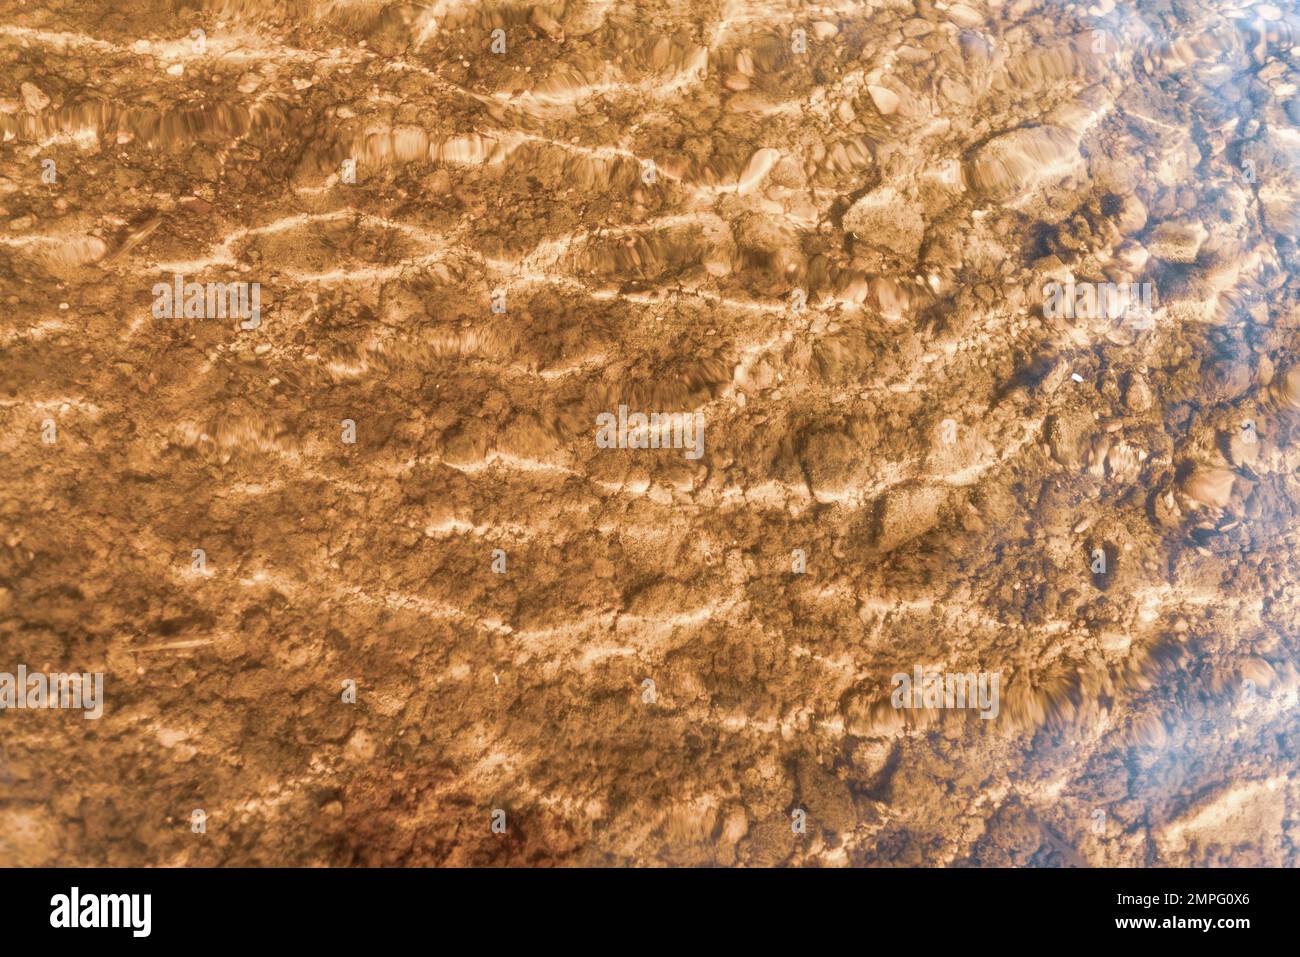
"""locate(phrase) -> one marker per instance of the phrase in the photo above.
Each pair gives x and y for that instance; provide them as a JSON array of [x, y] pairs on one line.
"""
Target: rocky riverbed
[[315, 314]]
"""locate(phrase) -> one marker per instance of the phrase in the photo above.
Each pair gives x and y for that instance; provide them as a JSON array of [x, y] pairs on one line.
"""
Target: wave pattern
[[827, 228]]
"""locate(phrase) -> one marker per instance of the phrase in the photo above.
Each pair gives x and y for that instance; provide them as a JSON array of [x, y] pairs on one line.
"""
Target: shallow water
[[830, 231]]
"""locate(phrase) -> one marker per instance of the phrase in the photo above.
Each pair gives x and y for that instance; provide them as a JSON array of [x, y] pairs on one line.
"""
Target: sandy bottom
[[372, 562]]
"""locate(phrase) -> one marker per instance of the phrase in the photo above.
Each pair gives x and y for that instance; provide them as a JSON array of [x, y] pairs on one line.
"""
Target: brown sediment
[[827, 229]]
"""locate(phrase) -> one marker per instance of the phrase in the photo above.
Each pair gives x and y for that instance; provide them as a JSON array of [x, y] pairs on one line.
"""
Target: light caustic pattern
[[826, 227]]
